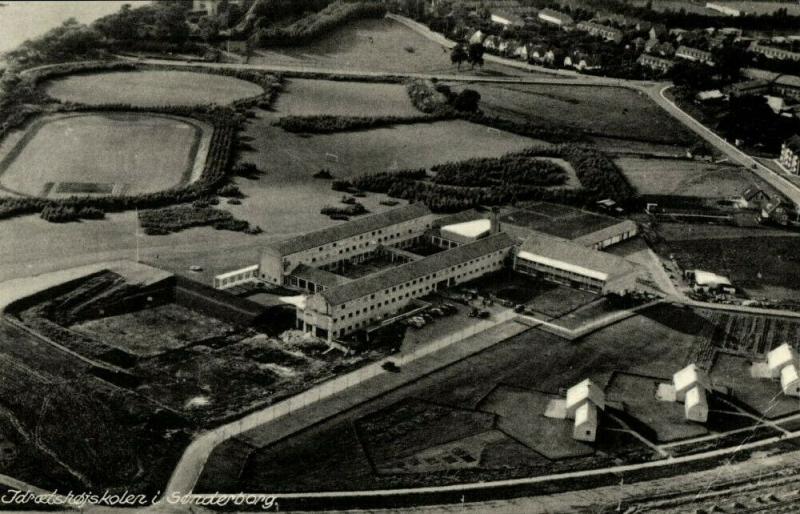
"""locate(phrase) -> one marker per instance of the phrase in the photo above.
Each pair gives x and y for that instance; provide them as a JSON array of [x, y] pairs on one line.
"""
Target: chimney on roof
[[494, 219]]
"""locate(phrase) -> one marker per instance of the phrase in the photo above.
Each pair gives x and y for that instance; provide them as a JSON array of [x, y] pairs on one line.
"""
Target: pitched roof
[[689, 377], [563, 18], [781, 356], [416, 269], [604, 233], [585, 391], [573, 257], [349, 229]]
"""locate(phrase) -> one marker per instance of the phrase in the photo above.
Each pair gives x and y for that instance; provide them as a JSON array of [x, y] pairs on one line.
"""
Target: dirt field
[[151, 88], [302, 97], [150, 332], [373, 45], [685, 177], [598, 111], [102, 154]]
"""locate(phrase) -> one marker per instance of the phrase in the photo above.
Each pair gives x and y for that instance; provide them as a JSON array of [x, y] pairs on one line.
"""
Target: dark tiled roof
[[414, 270], [349, 229]]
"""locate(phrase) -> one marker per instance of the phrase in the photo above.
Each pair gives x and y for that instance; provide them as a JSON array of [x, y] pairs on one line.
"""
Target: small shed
[[696, 405], [790, 381], [585, 428], [779, 358], [582, 393], [688, 378]]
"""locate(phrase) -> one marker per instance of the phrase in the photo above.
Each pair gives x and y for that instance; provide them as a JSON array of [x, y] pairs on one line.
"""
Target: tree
[[475, 54], [208, 28], [467, 100], [458, 55]]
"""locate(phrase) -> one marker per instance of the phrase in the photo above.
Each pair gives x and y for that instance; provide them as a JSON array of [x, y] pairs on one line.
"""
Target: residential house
[[476, 37], [507, 19], [557, 18], [658, 31], [693, 54], [748, 87], [726, 9], [790, 155], [492, 43], [664, 49], [655, 63], [603, 31], [773, 52]]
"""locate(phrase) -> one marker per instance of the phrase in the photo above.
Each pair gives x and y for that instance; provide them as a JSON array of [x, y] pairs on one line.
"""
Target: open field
[[151, 88], [763, 267], [687, 178], [102, 154], [597, 111], [521, 416], [332, 455], [665, 419], [303, 97], [290, 199], [153, 331], [558, 220], [372, 45]]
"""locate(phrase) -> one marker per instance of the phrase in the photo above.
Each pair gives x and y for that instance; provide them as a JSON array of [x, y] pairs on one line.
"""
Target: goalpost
[[331, 157]]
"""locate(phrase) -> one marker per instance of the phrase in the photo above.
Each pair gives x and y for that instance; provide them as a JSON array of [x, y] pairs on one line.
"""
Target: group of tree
[[752, 121], [470, 53], [199, 214], [600, 178], [318, 23], [513, 168]]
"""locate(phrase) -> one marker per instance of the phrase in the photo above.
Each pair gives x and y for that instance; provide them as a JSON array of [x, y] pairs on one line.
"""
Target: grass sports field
[[372, 45], [303, 97], [598, 111], [102, 154], [151, 88], [685, 177]]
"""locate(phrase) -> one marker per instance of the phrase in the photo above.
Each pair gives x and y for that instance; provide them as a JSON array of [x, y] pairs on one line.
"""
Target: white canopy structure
[[582, 393], [687, 378], [790, 380], [585, 428], [779, 358], [696, 405]]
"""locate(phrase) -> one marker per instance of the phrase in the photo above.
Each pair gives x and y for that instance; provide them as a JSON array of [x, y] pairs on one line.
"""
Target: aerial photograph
[[400, 256]]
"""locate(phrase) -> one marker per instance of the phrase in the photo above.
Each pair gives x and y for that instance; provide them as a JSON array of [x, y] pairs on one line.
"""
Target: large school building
[[426, 253]]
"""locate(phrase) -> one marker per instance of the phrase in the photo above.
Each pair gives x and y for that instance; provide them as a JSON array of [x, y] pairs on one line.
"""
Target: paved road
[[787, 188]]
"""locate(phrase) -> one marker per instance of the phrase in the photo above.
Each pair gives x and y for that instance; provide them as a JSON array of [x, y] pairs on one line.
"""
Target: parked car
[[473, 313], [519, 309], [436, 311], [340, 217], [484, 314], [448, 309], [196, 269]]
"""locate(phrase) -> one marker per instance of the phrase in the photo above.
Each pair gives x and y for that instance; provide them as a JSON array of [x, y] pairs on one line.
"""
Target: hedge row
[[328, 124]]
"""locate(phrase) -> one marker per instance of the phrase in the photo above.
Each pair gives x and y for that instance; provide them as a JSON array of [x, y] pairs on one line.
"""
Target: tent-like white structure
[[582, 393], [585, 428], [696, 405], [779, 358], [790, 380], [687, 378]]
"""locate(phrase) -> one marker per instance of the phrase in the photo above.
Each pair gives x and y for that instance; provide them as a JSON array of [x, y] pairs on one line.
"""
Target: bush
[[467, 101], [180, 217], [351, 210], [324, 173], [230, 191]]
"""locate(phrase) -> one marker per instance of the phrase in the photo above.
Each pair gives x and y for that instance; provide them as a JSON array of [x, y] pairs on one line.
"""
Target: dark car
[[484, 314]]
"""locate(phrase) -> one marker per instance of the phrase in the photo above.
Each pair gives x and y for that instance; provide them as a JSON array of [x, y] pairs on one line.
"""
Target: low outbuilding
[[696, 405]]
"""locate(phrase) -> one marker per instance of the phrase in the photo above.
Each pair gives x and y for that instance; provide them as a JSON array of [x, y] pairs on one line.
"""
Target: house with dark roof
[[694, 54], [655, 63], [604, 31]]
